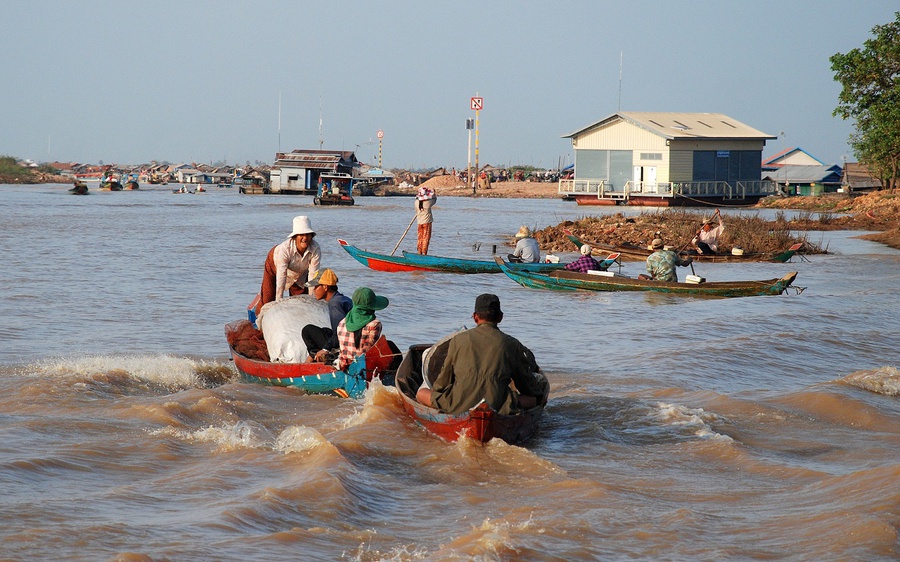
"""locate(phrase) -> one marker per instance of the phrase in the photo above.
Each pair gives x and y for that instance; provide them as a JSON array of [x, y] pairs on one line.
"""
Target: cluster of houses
[[638, 158]]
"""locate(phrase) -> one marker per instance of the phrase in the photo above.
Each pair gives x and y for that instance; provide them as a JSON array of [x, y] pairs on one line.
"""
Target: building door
[[645, 179]]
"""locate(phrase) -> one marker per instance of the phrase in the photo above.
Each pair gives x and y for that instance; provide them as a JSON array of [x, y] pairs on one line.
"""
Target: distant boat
[[335, 189], [80, 188]]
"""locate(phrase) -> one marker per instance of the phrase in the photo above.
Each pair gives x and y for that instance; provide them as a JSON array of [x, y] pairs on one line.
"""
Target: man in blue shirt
[[320, 340]]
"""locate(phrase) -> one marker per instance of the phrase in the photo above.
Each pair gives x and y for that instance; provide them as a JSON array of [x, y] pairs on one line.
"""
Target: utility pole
[[470, 124]]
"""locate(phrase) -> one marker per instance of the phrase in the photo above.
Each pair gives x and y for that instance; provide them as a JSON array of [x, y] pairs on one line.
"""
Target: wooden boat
[[80, 188], [318, 378], [640, 253], [571, 281], [480, 423], [335, 189], [417, 262], [131, 185]]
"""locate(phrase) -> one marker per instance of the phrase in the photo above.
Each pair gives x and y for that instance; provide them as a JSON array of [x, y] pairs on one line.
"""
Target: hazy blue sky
[[129, 82]]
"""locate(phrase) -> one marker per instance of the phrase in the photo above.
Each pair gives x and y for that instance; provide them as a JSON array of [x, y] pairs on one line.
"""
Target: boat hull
[[417, 262], [637, 253], [317, 378], [572, 281], [480, 423]]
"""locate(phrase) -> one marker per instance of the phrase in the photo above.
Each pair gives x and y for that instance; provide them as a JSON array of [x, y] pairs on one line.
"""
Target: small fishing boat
[[609, 281], [640, 253], [335, 189], [480, 423], [317, 378], [418, 262], [80, 188]]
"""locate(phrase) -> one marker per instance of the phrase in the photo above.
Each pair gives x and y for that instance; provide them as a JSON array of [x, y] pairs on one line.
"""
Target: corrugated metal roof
[[682, 125], [805, 174]]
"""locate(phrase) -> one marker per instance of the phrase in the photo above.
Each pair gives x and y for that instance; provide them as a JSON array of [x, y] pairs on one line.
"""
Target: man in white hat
[[585, 263], [289, 264], [527, 249]]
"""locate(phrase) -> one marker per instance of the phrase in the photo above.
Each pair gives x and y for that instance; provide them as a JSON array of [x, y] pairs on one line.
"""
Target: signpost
[[476, 104]]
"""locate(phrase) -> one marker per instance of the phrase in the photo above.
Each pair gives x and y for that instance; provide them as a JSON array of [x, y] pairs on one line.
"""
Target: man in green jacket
[[481, 363]]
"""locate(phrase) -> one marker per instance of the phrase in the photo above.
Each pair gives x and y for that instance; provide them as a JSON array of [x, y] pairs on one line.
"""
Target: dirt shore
[[878, 212]]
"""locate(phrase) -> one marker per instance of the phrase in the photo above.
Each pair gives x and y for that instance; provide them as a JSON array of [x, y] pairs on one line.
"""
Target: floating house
[[667, 159], [298, 172]]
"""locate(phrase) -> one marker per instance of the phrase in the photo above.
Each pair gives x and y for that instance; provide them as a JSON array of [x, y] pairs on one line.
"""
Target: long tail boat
[[609, 281], [318, 378], [480, 423], [639, 253], [417, 262]]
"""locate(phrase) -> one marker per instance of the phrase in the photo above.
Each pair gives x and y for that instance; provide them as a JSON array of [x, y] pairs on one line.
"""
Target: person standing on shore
[[425, 200], [289, 264]]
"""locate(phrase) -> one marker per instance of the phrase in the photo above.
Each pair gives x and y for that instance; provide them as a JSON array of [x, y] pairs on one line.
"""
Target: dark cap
[[487, 302]]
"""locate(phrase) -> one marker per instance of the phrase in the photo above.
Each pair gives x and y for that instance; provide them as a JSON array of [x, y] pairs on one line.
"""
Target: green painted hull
[[571, 281]]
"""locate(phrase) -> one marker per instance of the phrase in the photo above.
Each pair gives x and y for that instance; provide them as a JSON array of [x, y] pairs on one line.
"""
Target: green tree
[[870, 77]]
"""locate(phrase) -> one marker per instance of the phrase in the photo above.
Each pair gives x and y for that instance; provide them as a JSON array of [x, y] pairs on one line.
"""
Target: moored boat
[[316, 378], [640, 253], [418, 262], [608, 281], [480, 423]]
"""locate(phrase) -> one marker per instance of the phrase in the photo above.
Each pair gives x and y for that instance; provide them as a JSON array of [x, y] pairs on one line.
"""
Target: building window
[[651, 155]]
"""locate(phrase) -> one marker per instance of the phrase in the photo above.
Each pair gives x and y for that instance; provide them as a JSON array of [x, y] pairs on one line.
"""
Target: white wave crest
[[884, 380], [298, 439], [160, 369], [696, 420]]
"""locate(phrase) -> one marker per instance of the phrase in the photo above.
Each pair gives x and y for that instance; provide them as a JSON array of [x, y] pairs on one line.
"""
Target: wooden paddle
[[404, 235]]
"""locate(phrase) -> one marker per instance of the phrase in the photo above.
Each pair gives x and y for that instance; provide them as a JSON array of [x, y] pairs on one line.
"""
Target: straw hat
[[326, 277], [656, 244], [585, 250], [302, 226], [524, 232]]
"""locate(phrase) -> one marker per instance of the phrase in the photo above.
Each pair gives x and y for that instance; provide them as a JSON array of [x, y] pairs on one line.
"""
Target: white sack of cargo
[[282, 324]]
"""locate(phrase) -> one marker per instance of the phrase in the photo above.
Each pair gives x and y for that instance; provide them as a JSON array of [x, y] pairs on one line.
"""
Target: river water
[[764, 428]]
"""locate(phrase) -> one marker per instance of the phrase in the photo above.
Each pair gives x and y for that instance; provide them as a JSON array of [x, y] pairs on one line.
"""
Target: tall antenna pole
[[621, 56], [321, 136], [279, 120]]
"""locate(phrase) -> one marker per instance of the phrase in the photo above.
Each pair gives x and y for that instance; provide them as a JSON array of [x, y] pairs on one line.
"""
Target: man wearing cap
[[359, 330], [585, 263], [425, 200], [527, 249], [661, 264], [481, 364], [289, 264], [320, 340]]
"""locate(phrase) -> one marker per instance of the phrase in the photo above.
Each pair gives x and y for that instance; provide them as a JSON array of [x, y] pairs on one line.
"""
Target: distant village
[[635, 158]]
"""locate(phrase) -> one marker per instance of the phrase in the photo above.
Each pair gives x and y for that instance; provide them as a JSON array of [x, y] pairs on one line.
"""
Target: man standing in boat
[[482, 364], [425, 200], [289, 264]]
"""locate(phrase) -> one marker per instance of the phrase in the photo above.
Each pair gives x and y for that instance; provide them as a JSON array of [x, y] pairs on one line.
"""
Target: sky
[[231, 81]]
